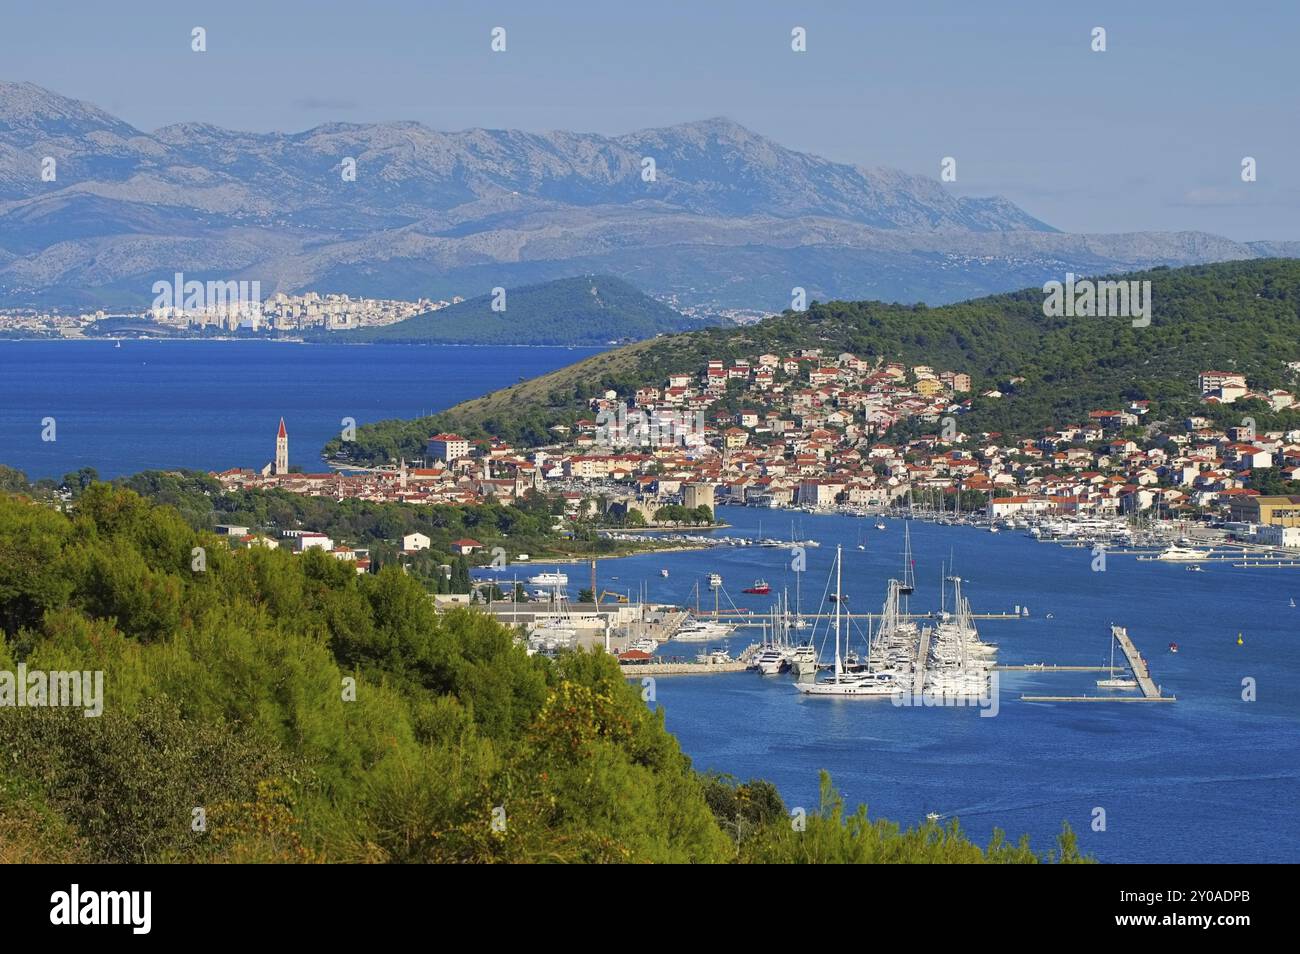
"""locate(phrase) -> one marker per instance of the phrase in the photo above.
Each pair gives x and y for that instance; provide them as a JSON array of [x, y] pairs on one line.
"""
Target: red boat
[[760, 588]]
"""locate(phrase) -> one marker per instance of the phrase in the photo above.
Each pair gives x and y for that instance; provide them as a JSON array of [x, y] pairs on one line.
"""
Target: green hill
[[588, 310], [321, 715], [1242, 316]]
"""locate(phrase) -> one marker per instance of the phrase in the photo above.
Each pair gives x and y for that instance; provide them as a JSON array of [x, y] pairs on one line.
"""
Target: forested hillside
[[591, 310], [232, 730], [1242, 316]]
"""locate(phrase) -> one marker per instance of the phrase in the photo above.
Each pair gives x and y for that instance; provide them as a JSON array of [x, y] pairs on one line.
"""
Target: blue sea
[[213, 405], [1210, 777]]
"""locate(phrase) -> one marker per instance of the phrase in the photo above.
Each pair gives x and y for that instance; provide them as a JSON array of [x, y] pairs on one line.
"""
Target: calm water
[[1207, 778], [216, 404]]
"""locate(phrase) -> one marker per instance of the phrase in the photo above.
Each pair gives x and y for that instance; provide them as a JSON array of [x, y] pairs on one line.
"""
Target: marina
[[1021, 769]]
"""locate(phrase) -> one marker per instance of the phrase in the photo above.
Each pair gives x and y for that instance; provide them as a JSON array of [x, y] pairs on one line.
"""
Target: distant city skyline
[[1148, 135]]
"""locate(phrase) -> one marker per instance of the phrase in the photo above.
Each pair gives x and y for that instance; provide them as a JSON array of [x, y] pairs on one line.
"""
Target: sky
[[1148, 135]]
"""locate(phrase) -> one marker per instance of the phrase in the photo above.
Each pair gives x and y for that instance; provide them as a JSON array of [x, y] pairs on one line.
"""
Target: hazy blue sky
[[1148, 135]]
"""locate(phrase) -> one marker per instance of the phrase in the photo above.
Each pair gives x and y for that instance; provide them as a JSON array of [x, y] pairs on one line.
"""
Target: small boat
[[1173, 647], [1113, 681], [714, 657], [117, 344], [932, 816], [880, 525], [1195, 568], [759, 588], [663, 573], [1293, 602], [715, 580], [1049, 616]]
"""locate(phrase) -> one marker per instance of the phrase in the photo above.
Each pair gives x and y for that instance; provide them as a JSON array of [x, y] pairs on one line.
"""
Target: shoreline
[[595, 349]]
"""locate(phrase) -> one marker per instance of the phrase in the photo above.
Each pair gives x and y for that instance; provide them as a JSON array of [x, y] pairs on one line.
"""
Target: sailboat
[[908, 586], [1113, 681], [842, 682]]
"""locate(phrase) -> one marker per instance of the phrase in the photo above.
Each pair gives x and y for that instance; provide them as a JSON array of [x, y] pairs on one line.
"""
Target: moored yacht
[[1180, 554], [841, 682]]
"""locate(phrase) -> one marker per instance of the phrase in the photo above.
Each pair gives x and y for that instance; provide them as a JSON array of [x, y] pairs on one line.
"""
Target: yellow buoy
[[1240, 641]]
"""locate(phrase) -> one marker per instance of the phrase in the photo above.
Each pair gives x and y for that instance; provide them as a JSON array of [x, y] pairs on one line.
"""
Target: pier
[[746, 618], [1150, 691], [681, 668], [922, 655], [1045, 667]]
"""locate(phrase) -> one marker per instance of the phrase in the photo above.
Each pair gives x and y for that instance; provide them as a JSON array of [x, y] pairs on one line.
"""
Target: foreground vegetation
[[280, 708]]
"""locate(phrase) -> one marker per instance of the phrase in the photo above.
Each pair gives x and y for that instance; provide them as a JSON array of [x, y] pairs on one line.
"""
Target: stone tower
[[282, 450]]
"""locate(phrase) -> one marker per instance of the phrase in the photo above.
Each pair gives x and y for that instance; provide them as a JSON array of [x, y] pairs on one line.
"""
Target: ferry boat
[[760, 588], [559, 580]]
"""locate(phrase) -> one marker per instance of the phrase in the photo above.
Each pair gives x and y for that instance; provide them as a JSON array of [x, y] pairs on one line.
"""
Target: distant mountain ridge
[[731, 218]]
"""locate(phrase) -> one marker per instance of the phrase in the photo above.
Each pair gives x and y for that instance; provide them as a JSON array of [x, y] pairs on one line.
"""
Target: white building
[[1277, 536], [415, 541], [308, 540]]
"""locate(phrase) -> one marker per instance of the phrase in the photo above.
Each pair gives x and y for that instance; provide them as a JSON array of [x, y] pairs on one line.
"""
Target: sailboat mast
[[839, 559]]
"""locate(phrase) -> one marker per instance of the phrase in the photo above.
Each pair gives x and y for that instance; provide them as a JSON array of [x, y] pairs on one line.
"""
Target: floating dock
[[1150, 691], [1045, 667]]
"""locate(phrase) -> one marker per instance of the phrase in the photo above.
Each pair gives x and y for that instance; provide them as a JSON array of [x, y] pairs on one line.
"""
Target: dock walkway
[[922, 657], [1140, 672], [681, 668], [1150, 691]]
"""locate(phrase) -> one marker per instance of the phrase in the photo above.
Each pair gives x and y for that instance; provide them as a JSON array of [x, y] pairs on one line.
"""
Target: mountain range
[[731, 218]]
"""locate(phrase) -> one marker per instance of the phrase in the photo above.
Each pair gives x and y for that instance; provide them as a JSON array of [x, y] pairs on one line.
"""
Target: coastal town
[[808, 434], [230, 313]]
